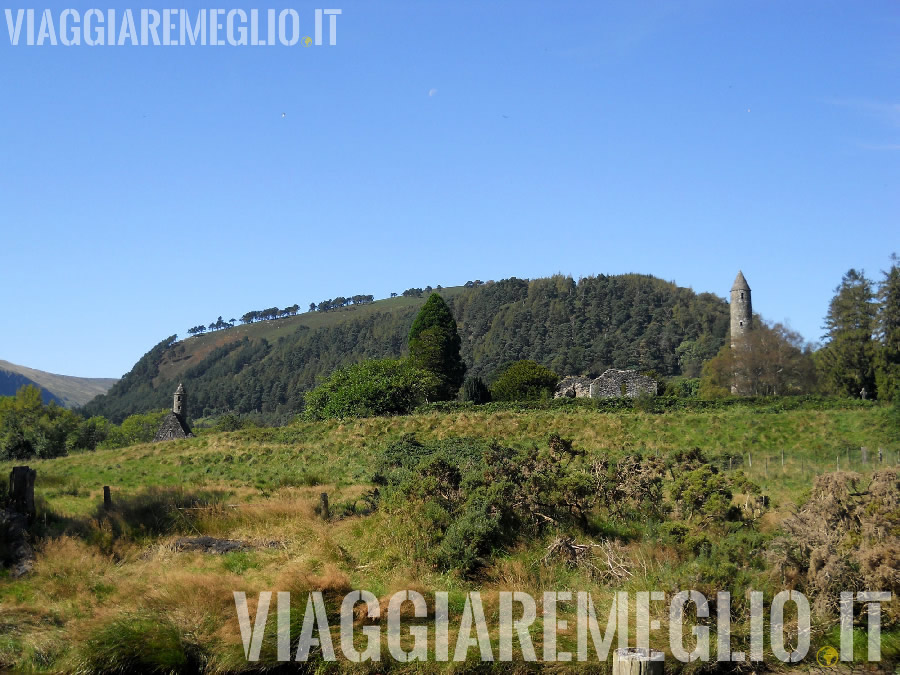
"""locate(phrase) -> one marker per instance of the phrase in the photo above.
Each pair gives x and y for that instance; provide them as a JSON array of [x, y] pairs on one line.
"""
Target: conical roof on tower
[[180, 389], [740, 283]]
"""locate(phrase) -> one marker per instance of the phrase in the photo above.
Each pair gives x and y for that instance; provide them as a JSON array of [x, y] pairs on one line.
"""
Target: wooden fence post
[[323, 505], [107, 498], [637, 661], [21, 490]]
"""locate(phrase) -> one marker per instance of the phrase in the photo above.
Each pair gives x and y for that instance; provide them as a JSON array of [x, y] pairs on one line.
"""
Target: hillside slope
[[64, 389], [626, 321], [11, 382]]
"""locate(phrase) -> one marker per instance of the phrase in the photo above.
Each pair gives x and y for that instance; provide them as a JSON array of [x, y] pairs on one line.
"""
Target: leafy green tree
[[847, 360], [371, 388], [887, 361], [135, 429], [90, 433], [692, 354], [524, 380], [28, 428], [434, 345]]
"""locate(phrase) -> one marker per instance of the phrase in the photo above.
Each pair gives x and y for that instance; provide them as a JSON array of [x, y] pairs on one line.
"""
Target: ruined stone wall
[[617, 383], [573, 387], [611, 384]]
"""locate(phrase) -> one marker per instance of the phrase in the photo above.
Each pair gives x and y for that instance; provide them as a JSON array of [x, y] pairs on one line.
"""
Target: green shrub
[[229, 422], [371, 388], [699, 489], [524, 380], [682, 387], [469, 498]]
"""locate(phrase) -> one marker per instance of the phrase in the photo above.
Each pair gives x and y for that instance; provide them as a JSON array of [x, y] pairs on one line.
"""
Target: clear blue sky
[[144, 190]]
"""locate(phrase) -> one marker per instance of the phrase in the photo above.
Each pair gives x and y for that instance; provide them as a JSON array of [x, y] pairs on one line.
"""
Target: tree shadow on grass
[[150, 513]]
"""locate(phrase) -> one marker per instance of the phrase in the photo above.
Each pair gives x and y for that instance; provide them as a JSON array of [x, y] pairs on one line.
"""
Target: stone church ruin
[[174, 425], [611, 384]]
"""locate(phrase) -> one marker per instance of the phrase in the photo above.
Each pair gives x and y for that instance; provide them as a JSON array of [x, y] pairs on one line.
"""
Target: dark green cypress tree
[[434, 345]]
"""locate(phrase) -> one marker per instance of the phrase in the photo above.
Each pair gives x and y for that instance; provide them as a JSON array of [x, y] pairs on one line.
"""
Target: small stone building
[[611, 384], [174, 425]]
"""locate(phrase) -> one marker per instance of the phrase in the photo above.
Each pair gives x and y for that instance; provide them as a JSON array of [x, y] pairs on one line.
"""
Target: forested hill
[[584, 327]]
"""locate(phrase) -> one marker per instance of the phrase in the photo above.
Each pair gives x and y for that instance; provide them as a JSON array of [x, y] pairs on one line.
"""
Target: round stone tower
[[741, 309], [180, 402]]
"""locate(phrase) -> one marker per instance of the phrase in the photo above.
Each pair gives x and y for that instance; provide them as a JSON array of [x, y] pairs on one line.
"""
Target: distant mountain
[[575, 328], [11, 382], [66, 390]]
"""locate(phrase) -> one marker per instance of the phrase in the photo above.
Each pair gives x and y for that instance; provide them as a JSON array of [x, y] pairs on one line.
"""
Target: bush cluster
[[459, 501], [370, 388]]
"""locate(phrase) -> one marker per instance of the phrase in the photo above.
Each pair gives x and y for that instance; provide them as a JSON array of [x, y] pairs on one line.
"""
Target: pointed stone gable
[[172, 427]]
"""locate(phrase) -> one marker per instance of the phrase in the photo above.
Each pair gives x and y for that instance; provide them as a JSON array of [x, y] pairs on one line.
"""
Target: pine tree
[[434, 345], [887, 361], [847, 360]]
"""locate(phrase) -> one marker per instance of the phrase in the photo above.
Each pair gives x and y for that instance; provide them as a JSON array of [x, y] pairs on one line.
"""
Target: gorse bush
[[470, 498], [459, 501], [371, 388], [847, 536]]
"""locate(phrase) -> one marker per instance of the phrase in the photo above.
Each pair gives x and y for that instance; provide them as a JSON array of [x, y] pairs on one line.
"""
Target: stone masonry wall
[[608, 385]]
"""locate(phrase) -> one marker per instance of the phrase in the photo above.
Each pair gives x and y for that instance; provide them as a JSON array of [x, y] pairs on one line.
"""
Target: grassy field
[[103, 585]]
